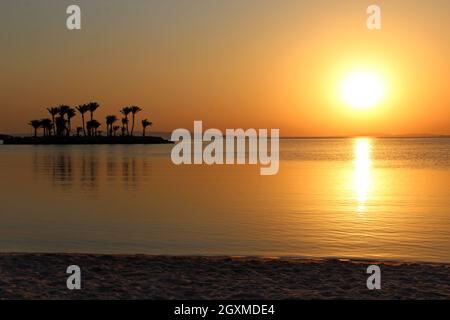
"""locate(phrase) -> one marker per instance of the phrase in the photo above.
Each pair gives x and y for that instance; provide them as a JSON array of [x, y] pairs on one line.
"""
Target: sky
[[229, 63]]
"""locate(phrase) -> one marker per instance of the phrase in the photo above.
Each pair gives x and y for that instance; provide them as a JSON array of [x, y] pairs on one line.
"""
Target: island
[[57, 130]]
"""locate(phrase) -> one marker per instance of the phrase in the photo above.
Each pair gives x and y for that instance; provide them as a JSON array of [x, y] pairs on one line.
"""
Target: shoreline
[[139, 276], [74, 140]]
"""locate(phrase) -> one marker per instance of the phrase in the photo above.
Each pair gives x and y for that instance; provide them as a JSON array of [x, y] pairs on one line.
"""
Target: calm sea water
[[367, 198]]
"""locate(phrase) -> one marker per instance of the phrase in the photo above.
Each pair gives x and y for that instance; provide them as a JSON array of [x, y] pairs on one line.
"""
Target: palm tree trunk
[[132, 126], [53, 125], [84, 128]]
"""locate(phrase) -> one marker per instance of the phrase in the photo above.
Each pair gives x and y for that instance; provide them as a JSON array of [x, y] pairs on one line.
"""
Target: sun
[[362, 89]]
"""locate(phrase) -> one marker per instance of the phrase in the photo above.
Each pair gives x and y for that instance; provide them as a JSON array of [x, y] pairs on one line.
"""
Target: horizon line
[[380, 135]]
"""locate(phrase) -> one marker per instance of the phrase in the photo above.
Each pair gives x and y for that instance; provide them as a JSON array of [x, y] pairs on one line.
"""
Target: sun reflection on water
[[362, 172]]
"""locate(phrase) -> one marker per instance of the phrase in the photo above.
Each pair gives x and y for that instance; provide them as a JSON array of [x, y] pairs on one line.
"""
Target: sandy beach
[[43, 276]]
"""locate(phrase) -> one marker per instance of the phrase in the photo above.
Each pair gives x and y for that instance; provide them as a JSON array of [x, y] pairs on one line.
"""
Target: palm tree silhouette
[[110, 120], [60, 125], [60, 122], [92, 106], [82, 109], [145, 124], [47, 125], [62, 111], [70, 114], [53, 111], [36, 124], [115, 129], [124, 125], [92, 127], [125, 111], [134, 110], [96, 125]]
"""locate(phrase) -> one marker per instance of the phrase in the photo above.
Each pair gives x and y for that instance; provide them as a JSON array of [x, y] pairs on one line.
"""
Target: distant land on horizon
[[166, 135], [381, 135]]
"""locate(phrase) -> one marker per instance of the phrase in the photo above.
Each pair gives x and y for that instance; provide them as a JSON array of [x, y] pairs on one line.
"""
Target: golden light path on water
[[362, 172]]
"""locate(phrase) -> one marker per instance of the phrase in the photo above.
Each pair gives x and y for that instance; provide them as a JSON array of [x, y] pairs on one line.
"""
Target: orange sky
[[260, 64]]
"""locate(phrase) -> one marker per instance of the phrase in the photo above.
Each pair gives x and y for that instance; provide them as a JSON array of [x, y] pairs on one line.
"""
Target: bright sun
[[362, 90]]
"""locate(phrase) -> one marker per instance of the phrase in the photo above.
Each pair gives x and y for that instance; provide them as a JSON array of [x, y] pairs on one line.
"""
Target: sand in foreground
[[43, 276]]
